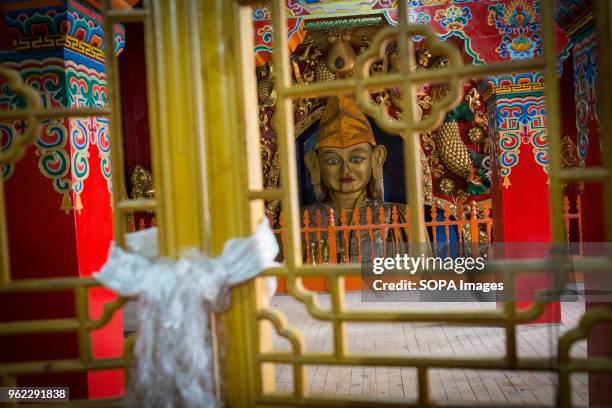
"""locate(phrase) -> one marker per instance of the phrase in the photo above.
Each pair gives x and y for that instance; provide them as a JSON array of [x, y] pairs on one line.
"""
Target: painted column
[[587, 126], [520, 199], [577, 19], [589, 153], [58, 194]]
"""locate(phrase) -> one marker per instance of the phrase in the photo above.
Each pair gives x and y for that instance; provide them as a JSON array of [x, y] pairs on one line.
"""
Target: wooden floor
[[431, 339], [425, 339]]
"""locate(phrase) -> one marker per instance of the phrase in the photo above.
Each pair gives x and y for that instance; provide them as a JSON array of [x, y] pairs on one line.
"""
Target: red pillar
[[589, 152], [520, 197], [58, 204], [48, 241]]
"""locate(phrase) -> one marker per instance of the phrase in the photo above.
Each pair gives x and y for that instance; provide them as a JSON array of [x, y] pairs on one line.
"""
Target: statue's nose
[[344, 167]]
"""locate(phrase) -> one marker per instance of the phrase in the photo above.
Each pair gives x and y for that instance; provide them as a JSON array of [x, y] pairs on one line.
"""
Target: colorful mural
[[518, 121], [58, 51], [518, 23], [570, 12], [585, 82], [263, 33], [57, 25], [491, 30], [86, 87], [47, 77], [54, 160], [7, 135]]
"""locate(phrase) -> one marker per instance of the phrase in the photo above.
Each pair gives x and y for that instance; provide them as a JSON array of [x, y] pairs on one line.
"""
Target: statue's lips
[[347, 179]]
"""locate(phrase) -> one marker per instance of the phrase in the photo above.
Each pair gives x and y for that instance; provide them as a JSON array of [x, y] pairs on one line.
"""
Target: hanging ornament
[[66, 203], [78, 204]]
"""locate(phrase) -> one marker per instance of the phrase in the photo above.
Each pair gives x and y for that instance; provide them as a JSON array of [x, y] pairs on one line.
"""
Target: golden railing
[[320, 230], [323, 232]]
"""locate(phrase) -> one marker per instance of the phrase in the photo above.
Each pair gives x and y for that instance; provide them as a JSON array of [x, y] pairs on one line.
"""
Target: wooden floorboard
[[434, 339]]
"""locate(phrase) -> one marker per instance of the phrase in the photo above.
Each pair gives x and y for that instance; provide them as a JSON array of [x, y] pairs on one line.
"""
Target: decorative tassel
[[506, 183], [78, 206], [66, 203]]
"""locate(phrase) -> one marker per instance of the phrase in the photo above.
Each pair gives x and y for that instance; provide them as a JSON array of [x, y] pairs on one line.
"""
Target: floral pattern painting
[[519, 24]]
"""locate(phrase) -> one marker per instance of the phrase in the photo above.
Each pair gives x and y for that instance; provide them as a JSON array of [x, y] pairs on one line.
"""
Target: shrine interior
[[288, 203]]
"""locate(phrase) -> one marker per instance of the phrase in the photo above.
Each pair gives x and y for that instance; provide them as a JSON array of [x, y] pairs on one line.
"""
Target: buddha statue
[[346, 172]]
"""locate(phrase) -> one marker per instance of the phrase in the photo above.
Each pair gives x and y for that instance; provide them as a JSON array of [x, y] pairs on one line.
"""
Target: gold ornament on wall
[[433, 159], [473, 99], [476, 134], [447, 186], [142, 189], [452, 150], [340, 57], [142, 184], [480, 118], [322, 72], [569, 154], [424, 58]]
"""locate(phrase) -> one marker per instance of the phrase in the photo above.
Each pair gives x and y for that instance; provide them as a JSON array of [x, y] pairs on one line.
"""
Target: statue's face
[[346, 170]]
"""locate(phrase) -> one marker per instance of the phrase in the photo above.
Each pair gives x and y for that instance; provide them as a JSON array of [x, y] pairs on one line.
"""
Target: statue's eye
[[357, 159], [332, 161]]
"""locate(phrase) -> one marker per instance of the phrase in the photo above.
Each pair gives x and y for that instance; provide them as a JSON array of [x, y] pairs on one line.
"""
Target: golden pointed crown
[[343, 124]]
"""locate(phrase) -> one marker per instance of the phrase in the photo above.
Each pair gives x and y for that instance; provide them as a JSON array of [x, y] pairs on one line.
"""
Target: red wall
[[42, 245], [132, 70]]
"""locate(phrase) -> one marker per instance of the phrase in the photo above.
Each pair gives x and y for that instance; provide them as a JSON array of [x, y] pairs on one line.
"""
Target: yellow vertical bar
[[412, 160], [203, 171], [423, 397], [179, 132], [285, 134], [115, 124], [198, 99], [157, 153], [551, 91], [82, 314], [5, 265], [288, 168], [337, 293], [264, 380], [510, 317], [231, 130]]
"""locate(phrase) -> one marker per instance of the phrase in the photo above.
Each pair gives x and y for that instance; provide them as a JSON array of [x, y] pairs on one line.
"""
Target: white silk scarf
[[173, 350]]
